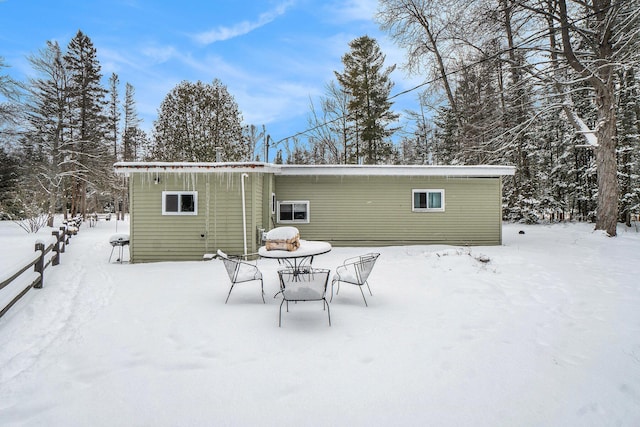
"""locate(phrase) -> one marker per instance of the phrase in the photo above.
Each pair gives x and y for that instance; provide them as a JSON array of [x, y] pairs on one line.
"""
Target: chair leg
[[328, 311], [369, 288], [365, 300], [337, 290], [262, 287], [229, 294], [280, 315], [112, 248]]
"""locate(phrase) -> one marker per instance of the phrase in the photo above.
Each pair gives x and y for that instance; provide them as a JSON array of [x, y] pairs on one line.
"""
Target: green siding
[[345, 210], [218, 224], [268, 187], [377, 210]]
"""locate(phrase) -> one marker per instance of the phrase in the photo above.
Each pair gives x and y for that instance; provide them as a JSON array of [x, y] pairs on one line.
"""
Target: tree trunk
[[606, 162], [601, 80]]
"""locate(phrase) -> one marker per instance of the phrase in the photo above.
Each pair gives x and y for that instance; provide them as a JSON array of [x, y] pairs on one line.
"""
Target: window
[[428, 200], [179, 203], [293, 211]]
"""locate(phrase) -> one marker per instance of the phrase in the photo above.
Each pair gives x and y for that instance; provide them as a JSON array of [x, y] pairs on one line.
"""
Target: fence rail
[[17, 282]]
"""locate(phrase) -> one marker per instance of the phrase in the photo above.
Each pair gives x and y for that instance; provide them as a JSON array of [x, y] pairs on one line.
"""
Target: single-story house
[[180, 211]]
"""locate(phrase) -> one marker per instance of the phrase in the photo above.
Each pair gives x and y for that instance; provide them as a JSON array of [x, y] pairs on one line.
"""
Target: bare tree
[[597, 38], [331, 132], [47, 134], [565, 49], [422, 28]]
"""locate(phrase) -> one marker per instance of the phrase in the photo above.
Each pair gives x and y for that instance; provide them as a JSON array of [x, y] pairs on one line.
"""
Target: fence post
[[39, 265], [56, 248], [64, 238]]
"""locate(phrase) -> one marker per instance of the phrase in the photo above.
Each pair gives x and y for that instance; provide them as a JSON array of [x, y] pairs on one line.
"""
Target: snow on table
[[307, 248], [283, 233]]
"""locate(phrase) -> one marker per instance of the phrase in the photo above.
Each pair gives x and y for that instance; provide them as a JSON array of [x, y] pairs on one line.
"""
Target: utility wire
[[530, 39]]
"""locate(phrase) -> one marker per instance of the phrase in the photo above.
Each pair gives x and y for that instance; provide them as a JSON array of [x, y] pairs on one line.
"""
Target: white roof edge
[[193, 167], [412, 170], [343, 170]]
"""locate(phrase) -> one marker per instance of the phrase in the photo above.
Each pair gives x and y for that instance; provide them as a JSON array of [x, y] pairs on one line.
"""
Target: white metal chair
[[240, 271], [355, 271], [306, 285]]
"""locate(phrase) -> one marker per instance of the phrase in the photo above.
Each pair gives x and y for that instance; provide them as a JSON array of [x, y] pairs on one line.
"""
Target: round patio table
[[300, 257]]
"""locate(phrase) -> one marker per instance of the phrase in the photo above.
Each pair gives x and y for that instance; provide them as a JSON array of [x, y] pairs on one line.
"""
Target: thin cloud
[[352, 10], [160, 54], [225, 33]]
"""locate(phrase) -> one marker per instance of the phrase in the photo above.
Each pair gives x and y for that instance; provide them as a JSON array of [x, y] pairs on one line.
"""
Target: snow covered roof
[[190, 167], [409, 170], [365, 170]]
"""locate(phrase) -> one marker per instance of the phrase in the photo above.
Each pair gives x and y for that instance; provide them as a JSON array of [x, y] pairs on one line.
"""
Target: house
[[180, 211]]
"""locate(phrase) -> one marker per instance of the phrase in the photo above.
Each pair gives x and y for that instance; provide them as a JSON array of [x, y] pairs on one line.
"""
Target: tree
[[251, 137], [331, 133], [596, 39], [47, 145], [419, 148], [132, 138], [9, 108], [88, 122], [422, 28], [113, 117], [369, 87], [569, 71], [629, 143], [9, 177], [195, 121]]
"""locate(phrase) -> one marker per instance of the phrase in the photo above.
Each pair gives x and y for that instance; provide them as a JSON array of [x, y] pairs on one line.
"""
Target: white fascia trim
[[412, 170], [127, 168]]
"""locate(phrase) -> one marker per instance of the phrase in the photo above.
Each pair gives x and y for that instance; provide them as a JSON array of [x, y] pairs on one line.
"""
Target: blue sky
[[274, 56]]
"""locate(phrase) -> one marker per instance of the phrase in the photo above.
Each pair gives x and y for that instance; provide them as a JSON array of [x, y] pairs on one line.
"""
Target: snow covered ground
[[547, 333]]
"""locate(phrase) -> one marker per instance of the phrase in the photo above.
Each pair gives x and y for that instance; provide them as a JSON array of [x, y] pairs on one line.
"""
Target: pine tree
[[628, 144], [132, 140], [9, 120], [369, 87], [9, 178], [113, 117], [88, 122]]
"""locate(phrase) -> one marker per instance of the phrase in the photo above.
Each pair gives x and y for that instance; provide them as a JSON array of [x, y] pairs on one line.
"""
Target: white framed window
[[179, 203], [293, 211], [428, 200]]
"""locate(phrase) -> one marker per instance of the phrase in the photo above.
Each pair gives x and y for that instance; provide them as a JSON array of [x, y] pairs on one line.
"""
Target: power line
[[532, 38]]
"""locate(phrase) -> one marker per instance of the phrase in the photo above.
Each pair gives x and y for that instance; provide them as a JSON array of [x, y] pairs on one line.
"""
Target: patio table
[[300, 257]]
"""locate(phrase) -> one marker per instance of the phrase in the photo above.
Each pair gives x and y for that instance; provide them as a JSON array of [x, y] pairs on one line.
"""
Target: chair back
[[230, 265], [364, 266], [306, 285]]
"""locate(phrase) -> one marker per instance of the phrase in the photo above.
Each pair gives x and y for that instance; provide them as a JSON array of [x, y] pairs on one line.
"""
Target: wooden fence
[[16, 283]]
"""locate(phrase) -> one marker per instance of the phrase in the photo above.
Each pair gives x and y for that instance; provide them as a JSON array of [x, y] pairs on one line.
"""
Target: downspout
[[244, 214]]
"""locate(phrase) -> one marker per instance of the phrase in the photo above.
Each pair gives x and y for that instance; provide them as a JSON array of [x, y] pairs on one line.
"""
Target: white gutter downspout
[[244, 215]]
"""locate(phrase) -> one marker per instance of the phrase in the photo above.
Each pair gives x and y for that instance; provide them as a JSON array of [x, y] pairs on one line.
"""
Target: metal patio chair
[[307, 285], [240, 271], [355, 271]]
